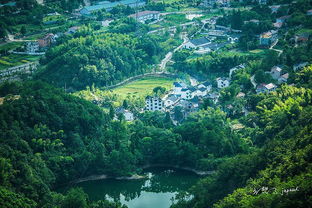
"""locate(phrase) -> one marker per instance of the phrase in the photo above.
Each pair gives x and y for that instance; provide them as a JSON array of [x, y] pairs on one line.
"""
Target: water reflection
[[156, 190]]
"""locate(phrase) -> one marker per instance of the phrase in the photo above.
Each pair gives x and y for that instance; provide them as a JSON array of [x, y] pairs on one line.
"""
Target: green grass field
[[143, 87]]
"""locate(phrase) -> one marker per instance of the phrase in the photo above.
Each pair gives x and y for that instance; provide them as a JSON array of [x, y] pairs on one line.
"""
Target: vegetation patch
[[143, 86]]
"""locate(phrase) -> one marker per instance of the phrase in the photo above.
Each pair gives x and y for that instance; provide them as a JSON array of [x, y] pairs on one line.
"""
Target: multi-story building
[[47, 40], [223, 82], [32, 46], [268, 38], [145, 15], [154, 103]]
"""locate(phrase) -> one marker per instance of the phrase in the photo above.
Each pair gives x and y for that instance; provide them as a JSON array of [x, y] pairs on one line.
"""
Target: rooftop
[[143, 13], [200, 41], [270, 86]]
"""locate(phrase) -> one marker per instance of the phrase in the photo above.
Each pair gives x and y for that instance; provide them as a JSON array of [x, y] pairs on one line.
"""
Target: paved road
[[272, 48], [168, 56]]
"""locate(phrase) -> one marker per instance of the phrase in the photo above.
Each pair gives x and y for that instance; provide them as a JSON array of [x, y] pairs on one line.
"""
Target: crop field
[[15, 60], [143, 87]]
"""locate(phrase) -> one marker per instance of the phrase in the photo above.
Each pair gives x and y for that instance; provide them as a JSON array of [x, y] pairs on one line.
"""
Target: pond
[[156, 191]]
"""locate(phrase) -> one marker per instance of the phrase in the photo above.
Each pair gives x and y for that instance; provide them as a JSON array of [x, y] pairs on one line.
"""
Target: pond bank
[[104, 176], [197, 172], [138, 177]]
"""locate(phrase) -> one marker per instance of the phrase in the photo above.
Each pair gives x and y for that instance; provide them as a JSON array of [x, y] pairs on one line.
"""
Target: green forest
[[66, 120], [99, 59], [50, 138]]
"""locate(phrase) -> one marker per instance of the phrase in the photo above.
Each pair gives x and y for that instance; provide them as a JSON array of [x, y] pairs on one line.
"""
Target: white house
[[186, 93], [145, 15], [127, 114], [197, 43], [153, 103], [201, 92], [206, 85], [171, 100], [32, 46], [177, 87], [223, 82], [263, 88], [276, 72], [283, 78]]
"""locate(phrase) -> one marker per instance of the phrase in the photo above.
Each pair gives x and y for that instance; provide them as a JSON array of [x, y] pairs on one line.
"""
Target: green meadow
[[143, 87]]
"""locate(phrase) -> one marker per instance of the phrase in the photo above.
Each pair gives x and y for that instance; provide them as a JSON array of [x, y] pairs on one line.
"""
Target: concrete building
[[268, 38], [153, 103], [283, 79], [32, 46], [197, 43], [145, 15], [47, 40], [128, 115], [223, 82], [171, 100], [276, 72], [264, 88]]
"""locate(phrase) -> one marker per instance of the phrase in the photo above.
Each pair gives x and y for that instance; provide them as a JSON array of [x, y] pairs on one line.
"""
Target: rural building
[[171, 100], [309, 12], [47, 40], [223, 82], [276, 72], [268, 38], [264, 88], [32, 46], [153, 103], [178, 86], [197, 43], [145, 15], [128, 115], [283, 78]]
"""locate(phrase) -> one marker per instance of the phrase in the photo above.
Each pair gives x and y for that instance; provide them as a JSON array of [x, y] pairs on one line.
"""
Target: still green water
[[156, 191]]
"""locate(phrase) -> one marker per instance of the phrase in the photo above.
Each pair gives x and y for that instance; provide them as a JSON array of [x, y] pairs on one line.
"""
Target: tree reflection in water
[[160, 180]]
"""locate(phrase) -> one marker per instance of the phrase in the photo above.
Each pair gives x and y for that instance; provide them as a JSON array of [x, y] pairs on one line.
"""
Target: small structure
[[73, 30], [302, 38], [268, 38], [276, 72], [283, 19], [223, 82], [153, 103], [299, 66], [145, 15], [126, 113], [309, 12], [275, 8], [283, 78], [197, 43], [240, 95], [106, 23], [278, 25], [47, 40], [186, 93], [264, 88], [177, 87], [171, 100], [214, 97], [32, 46]]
